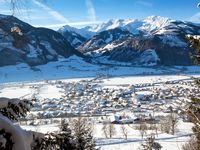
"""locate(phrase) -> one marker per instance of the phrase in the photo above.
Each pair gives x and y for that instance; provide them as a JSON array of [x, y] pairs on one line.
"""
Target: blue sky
[[79, 13]]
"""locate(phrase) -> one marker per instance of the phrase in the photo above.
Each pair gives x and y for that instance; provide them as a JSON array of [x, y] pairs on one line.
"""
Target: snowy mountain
[[148, 42], [150, 25], [163, 39], [136, 49], [72, 36], [103, 38], [85, 32], [23, 43], [132, 25]]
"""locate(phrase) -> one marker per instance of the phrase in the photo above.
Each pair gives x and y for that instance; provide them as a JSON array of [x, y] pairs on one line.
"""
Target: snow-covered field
[[75, 67], [72, 86], [59, 98], [118, 142]]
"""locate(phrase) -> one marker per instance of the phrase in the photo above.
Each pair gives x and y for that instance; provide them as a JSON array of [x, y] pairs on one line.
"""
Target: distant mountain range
[[152, 41]]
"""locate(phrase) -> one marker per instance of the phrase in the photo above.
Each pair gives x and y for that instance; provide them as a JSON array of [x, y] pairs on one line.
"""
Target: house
[[115, 119]]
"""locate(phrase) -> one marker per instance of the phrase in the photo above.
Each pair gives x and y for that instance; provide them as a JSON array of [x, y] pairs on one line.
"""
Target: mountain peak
[[157, 19], [67, 28], [154, 18]]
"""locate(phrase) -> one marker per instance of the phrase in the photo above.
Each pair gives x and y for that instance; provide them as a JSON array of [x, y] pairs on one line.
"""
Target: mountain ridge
[[159, 36], [23, 43], [150, 42]]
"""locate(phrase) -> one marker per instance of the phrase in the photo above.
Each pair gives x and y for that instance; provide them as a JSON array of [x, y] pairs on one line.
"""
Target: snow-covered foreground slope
[[76, 67], [168, 142]]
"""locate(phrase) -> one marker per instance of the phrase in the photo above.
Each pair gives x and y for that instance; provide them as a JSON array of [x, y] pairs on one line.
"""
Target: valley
[[117, 84], [127, 101]]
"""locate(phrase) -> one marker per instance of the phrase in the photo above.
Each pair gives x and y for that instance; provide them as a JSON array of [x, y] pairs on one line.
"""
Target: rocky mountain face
[[23, 43], [102, 39], [72, 36], [152, 41]]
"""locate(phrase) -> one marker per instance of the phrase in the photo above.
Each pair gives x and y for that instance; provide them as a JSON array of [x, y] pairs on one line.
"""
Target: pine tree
[[150, 144], [194, 106], [6, 141], [83, 135], [11, 136], [195, 43], [14, 108], [64, 138]]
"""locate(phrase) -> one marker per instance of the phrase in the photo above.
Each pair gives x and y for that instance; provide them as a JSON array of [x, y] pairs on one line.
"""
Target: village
[[125, 103]]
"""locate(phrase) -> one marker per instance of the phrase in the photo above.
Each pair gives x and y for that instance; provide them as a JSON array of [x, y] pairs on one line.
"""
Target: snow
[[117, 142], [48, 47], [33, 52], [143, 79], [21, 138], [154, 22], [50, 95], [134, 138], [149, 24], [112, 24], [106, 48], [173, 41], [146, 25], [76, 41], [85, 32], [132, 25], [149, 57], [45, 90], [194, 36], [108, 40], [76, 67]]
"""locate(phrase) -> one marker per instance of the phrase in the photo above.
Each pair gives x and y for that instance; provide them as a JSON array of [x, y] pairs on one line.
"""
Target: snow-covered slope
[[132, 25], [102, 39], [171, 50], [72, 36], [165, 36], [85, 32], [23, 43], [76, 67], [154, 23], [146, 25], [150, 25]]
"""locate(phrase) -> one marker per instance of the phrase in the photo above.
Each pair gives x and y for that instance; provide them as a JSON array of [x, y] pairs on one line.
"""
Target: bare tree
[[109, 130], [169, 124], [173, 122], [124, 131], [191, 145], [142, 129], [104, 129]]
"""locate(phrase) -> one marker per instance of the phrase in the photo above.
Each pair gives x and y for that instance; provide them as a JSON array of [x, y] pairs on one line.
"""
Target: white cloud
[[195, 17], [91, 10], [56, 15]]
